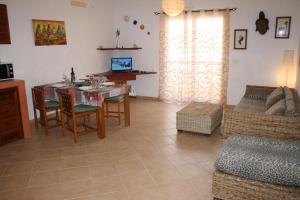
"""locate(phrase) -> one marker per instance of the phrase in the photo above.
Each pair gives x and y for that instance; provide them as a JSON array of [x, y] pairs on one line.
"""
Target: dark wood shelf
[[119, 49]]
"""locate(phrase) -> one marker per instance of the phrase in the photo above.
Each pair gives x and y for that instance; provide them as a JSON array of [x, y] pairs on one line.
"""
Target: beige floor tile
[[130, 166], [107, 184], [74, 161], [75, 189], [19, 168], [137, 179], [89, 197], [108, 169], [48, 154], [48, 165], [148, 193], [43, 193], [13, 195], [97, 148], [44, 179], [120, 195], [14, 182], [165, 176], [73, 151], [74, 174], [99, 159], [180, 191]]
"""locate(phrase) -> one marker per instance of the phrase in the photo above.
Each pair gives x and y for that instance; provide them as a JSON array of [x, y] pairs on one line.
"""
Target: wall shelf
[[119, 49]]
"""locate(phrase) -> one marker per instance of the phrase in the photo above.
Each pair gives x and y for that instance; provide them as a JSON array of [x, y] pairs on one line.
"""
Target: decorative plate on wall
[[126, 18]]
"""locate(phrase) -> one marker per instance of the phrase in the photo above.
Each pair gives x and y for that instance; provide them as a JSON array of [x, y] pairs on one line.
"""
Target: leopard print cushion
[[262, 159]]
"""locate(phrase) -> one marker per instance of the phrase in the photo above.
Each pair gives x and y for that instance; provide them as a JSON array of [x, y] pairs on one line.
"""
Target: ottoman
[[199, 117]]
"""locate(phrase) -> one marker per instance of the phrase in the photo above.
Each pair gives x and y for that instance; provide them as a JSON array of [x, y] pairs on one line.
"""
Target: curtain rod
[[203, 10]]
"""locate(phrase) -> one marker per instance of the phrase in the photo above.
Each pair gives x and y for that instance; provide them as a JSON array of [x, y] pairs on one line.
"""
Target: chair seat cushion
[[84, 108], [262, 159], [116, 98], [51, 104]]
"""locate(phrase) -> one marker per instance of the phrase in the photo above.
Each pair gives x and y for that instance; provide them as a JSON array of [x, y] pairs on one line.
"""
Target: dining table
[[93, 96]]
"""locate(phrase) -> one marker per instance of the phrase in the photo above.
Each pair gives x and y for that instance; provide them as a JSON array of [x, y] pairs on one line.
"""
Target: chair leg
[[36, 122], [63, 128], [57, 115], [119, 113], [75, 130], [46, 123], [107, 111]]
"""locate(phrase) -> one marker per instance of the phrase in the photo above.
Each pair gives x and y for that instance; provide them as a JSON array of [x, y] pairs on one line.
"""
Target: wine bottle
[[72, 75]]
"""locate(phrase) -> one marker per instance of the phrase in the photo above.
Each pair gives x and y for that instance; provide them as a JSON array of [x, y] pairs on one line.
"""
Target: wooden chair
[[118, 100], [72, 113], [44, 107]]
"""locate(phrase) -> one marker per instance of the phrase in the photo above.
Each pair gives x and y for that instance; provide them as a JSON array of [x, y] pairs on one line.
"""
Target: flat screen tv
[[121, 64]]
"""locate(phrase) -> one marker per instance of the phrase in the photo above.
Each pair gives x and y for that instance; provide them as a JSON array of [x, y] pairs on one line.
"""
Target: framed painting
[[283, 26], [240, 39], [47, 32]]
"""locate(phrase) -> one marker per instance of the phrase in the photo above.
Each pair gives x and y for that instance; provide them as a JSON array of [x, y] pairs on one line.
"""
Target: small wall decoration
[[142, 27], [126, 18], [118, 33], [240, 38], [262, 24], [135, 22], [48, 32], [283, 26]]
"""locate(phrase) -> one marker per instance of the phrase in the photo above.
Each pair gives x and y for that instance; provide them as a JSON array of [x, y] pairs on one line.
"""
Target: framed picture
[[48, 32], [240, 38], [283, 26]]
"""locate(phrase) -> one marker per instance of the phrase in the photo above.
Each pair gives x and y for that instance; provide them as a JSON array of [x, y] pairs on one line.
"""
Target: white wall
[[257, 65], [298, 66], [86, 28]]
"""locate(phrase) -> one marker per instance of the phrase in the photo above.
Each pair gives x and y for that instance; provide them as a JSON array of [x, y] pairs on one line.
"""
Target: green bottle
[[72, 76]]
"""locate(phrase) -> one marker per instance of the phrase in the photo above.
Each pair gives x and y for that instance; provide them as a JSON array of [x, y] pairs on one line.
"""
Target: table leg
[[101, 118], [127, 110]]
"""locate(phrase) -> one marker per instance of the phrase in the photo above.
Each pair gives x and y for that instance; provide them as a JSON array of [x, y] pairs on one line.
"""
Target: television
[[121, 64]]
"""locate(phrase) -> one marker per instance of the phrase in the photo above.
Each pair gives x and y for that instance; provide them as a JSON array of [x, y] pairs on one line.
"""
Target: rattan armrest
[[260, 124]]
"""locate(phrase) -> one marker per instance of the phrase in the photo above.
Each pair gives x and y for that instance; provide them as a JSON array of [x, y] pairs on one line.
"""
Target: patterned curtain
[[194, 57]]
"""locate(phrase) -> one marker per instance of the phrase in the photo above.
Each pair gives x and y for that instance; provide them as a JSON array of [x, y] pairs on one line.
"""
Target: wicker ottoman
[[199, 117]]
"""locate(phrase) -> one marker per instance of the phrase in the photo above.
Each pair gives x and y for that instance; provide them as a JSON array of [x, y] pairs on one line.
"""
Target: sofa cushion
[[278, 108], [291, 109], [250, 105], [274, 97], [262, 159]]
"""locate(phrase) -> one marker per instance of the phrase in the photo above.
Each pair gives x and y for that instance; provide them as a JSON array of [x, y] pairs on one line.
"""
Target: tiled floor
[[147, 161]]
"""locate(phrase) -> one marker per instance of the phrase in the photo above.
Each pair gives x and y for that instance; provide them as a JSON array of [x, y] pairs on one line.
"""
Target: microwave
[[6, 71]]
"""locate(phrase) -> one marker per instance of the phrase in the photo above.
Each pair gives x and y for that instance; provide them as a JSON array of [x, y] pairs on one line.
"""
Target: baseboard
[[146, 98]]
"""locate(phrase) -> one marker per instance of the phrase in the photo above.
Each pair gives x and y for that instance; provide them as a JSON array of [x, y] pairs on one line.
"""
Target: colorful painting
[[49, 32]]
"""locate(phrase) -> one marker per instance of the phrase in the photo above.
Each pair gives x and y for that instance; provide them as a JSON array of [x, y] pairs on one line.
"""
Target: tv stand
[[121, 76]]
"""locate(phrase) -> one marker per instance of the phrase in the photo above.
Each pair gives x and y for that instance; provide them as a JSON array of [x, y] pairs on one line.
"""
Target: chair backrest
[[38, 98], [66, 102]]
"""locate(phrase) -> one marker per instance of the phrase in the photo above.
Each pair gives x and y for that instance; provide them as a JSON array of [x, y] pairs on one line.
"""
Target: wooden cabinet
[[4, 25], [14, 120]]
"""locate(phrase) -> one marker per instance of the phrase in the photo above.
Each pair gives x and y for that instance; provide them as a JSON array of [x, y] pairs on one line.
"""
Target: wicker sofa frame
[[229, 187], [260, 124]]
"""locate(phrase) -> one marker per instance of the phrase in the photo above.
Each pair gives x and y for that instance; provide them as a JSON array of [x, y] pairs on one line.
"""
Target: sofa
[[252, 116], [258, 131]]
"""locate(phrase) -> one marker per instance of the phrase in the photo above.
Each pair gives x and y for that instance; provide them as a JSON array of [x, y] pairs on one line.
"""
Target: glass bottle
[[72, 75]]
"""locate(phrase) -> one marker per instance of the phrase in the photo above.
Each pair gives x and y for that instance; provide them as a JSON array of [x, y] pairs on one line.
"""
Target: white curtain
[[194, 57]]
